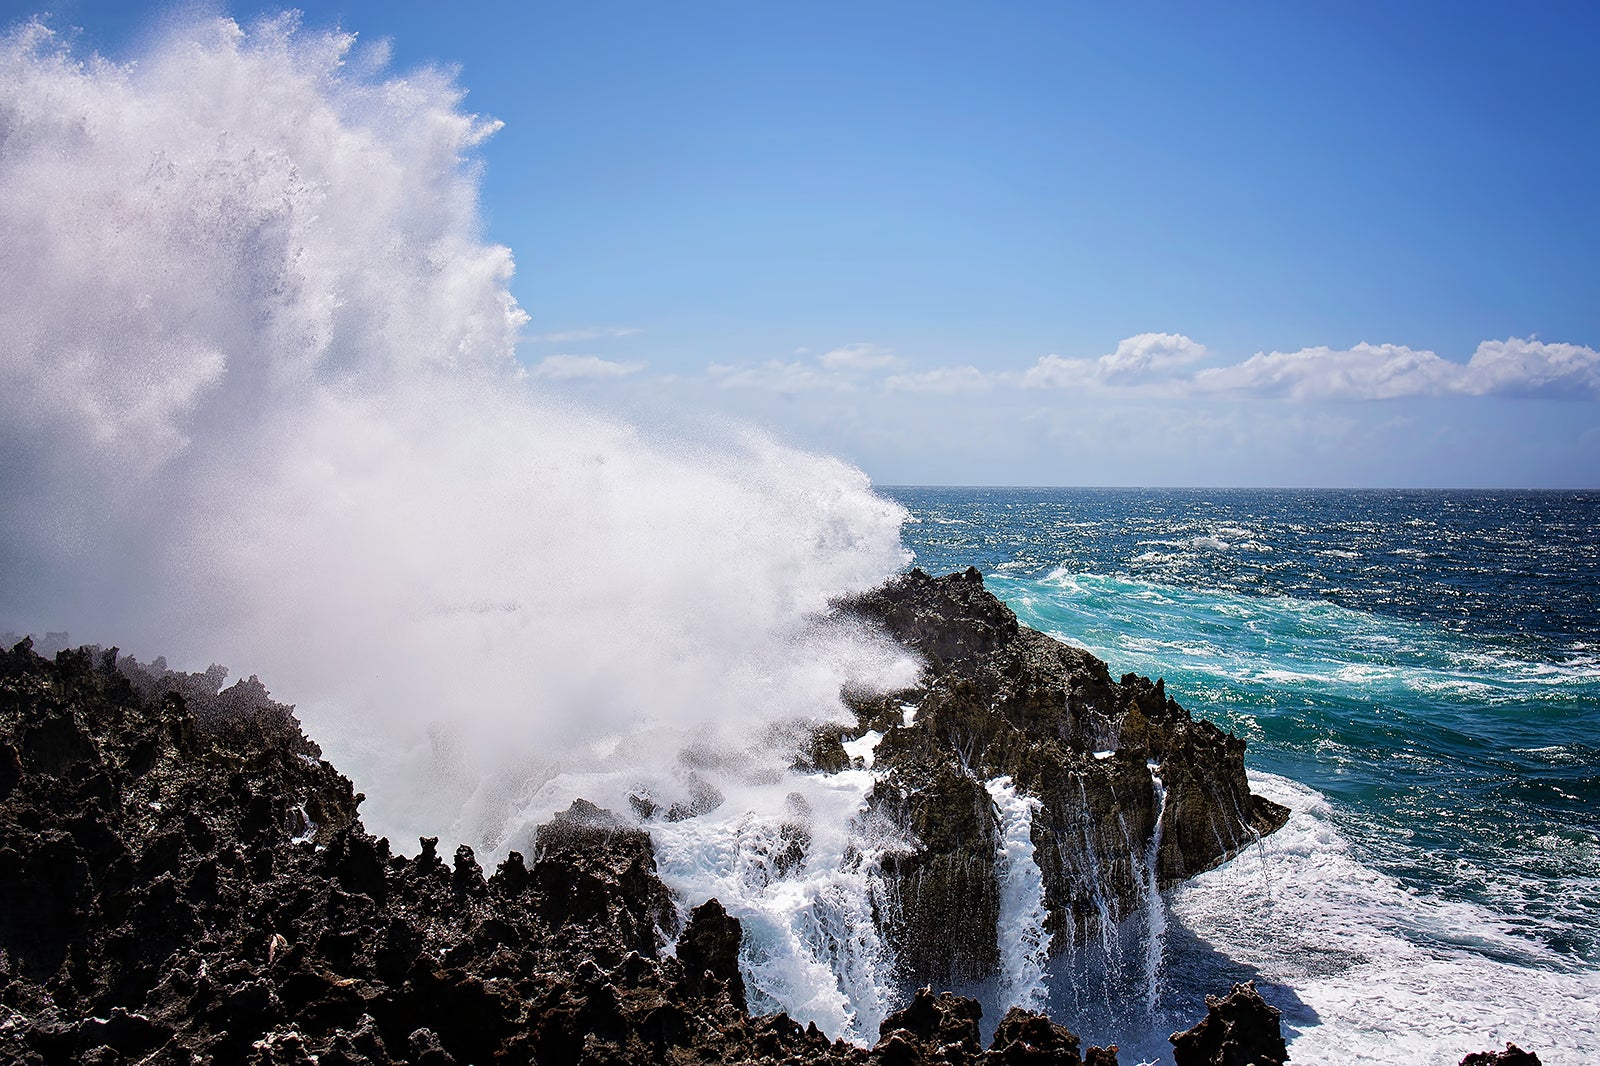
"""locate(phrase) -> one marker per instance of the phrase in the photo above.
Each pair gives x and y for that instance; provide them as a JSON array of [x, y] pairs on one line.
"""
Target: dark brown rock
[[1239, 1029], [709, 951], [1024, 1038], [998, 698], [184, 879]]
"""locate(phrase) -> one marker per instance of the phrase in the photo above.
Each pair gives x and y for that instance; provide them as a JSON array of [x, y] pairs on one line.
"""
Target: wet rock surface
[[1135, 794], [183, 879]]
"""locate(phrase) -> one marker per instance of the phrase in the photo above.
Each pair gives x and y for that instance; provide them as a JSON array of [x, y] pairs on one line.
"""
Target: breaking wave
[[259, 402]]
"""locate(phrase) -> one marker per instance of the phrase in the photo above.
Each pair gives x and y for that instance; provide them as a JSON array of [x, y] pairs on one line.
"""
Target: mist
[[260, 405]]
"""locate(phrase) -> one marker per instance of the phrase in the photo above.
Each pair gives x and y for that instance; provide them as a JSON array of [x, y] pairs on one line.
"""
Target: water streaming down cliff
[[1091, 795], [1155, 911], [806, 885], [1025, 941]]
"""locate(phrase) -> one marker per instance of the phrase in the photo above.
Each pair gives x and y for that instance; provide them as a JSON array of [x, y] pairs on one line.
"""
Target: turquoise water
[[1419, 670]]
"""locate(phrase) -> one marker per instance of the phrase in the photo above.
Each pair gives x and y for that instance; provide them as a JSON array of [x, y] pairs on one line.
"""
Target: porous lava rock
[[1239, 1029], [184, 880], [1105, 759]]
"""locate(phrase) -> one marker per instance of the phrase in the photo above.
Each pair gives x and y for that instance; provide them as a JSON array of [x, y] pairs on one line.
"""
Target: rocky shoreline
[[184, 879], [1134, 794]]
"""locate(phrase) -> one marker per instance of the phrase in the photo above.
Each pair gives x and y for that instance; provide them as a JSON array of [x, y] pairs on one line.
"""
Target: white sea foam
[[259, 403], [1369, 972], [864, 747]]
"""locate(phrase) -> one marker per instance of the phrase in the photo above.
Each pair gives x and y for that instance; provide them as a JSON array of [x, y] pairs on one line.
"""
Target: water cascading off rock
[[998, 699]]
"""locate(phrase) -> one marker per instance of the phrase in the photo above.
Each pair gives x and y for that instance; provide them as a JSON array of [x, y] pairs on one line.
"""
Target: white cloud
[[1057, 372], [575, 367], [1137, 360], [941, 379], [1509, 368], [1163, 364], [589, 334], [842, 369], [1365, 372], [860, 357], [1516, 367], [1150, 355]]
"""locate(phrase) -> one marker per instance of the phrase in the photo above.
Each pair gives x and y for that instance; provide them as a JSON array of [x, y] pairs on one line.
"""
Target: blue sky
[[1048, 243]]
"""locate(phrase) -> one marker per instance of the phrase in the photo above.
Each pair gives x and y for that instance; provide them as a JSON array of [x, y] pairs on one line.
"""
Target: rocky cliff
[[1133, 793], [185, 880]]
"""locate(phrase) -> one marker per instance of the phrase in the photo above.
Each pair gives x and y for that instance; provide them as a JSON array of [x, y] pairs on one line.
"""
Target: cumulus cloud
[[1516, 367], [1365, 372], [1164, 364], [1511, 368], [841, 369], [1137, 360], [1150, 354], [949, 379], [1057, 372], [576, 367]]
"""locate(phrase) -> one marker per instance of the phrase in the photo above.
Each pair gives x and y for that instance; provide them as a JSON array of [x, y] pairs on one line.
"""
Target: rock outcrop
[[1239, 1029], [184, 880], [1134, 793]]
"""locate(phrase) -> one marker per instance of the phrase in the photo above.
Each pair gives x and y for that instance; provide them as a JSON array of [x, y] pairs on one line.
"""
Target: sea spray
[[1024, 941], [259, 403], [1368, 971], [807, 890], [1155, 913]]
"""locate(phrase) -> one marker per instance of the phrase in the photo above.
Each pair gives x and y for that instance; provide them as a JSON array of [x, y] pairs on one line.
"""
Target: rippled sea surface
[[1419, 671]]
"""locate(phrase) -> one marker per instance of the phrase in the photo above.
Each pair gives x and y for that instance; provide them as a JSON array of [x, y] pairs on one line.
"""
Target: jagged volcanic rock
[[183, 880], [1239, 1029], [998, 698]]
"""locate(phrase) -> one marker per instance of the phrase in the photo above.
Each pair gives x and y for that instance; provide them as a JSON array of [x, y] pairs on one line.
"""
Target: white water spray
[[259, 403], [1155, 911], [1366, 957], [1024, 941], [811, 940]]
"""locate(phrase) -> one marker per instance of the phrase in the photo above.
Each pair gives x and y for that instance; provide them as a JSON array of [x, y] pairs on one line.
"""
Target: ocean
[[1417, 674]]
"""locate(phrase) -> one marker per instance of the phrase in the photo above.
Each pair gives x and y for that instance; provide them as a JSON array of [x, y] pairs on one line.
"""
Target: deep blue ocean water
[[1418, 671]]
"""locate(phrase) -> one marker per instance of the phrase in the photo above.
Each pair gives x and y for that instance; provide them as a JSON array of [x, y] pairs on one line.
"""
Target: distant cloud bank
[[1173, 365], [1515, 367]]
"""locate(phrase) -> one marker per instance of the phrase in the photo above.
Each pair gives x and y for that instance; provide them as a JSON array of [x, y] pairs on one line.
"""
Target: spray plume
[[259, 403]]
